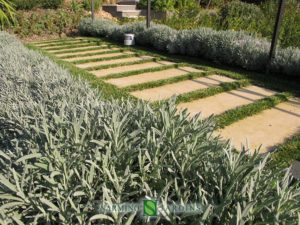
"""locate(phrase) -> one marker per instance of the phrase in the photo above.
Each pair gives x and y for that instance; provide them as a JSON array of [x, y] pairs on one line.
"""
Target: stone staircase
[[124, 9]]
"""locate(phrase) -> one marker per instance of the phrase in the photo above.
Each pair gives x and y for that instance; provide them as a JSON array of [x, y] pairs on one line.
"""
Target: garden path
[[255, 116]]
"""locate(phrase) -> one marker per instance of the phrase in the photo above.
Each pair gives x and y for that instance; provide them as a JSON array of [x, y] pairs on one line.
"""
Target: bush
[[191, 18], [40, 22], [63, 150], [227, 47], [51, 4], [290, 28], [237, 15], [87, 4], [159, 5], [168, 5], [234, 48], [30, 4]]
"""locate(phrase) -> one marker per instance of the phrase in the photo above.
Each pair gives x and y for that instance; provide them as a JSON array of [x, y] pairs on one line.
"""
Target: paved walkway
[[126, 69]]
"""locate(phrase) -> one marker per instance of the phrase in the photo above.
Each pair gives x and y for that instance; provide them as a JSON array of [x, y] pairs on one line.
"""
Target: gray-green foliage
[[63, 150], [227, 47]]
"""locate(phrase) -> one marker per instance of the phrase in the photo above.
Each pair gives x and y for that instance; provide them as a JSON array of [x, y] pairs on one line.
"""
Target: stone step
[[127, 2], [111, 62], [56, 40], [267, 129], [101, 56], [129, 68], [220, 103], [152, 76], [113, 8], [131, 13], [64, 43], [78, 48], [167, 91], [69, 46], [83, 53]]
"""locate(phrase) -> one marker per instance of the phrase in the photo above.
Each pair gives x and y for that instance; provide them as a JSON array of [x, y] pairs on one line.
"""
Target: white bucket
[[129, 39]]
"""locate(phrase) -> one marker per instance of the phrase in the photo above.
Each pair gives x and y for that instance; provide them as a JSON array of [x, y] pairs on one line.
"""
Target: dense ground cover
[[63, 147]]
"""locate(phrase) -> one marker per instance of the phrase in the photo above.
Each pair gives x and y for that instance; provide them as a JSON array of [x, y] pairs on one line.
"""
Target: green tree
[[7, 13]]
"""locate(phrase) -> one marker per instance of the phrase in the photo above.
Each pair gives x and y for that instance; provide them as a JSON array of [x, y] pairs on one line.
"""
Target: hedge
[[64, 151], [31, 4], [226, 47]]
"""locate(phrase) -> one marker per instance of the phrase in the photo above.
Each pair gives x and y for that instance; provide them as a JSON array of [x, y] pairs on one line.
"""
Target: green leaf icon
[[150, 208]]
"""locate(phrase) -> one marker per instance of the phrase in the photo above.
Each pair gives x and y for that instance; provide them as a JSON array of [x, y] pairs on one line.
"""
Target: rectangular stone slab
[[76, 55], [268, 128], [78, 48], [111, 61], [67, 42], [220, 103], [75, 45], [169, 90], [53, 41], [101, 56], [121, 69], [152, 76]]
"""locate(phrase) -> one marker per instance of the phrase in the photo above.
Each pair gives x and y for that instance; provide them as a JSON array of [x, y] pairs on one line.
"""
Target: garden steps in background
[[77, 48], [112, 62], [83, 53], [151, 76], [269, 128], [129, 68], [222, 102], [101, 56], [182, 87]]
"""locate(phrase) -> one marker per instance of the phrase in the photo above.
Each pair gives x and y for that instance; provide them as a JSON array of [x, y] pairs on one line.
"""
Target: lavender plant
[[227, 47]]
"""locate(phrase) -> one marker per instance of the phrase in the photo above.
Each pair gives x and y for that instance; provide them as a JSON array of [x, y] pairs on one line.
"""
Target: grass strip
[[108, 91], [203, 93], [172, 80], [285, 154], [141, 71], [62, 48], [66, 43], [81, 49], [102, 67], [91, 54], [233, 115], [124, 56]]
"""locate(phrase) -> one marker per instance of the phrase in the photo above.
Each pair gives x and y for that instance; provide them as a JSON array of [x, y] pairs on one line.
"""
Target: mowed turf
[[247, 113]]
